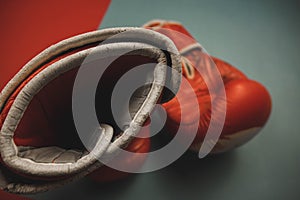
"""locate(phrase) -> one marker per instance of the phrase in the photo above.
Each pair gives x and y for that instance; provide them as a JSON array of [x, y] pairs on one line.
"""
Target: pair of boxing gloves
[[45, 123]]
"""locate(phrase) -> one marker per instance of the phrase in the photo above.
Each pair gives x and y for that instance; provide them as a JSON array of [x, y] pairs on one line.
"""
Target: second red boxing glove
[[248, 103]]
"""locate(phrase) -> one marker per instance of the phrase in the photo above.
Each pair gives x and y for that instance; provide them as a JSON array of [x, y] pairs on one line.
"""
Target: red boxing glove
[[248, 103], [39, 140]]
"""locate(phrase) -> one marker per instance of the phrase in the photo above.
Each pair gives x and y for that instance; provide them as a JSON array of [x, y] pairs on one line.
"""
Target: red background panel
[[28, 27]]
